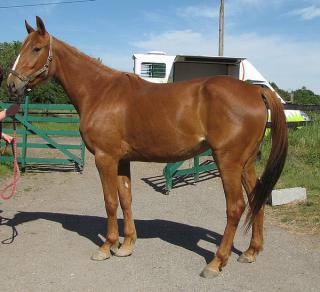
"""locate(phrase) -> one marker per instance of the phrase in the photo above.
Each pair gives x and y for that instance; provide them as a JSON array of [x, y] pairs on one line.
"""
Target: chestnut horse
[[124, 118]]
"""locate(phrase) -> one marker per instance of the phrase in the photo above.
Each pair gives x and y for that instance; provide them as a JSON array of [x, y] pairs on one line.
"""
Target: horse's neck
[[79, 74]]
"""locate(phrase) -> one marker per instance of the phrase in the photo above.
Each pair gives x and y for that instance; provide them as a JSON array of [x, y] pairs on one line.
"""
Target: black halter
[[27, 79]]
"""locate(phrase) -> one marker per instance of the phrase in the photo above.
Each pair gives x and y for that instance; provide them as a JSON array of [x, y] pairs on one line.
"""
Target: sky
[[280, 37]]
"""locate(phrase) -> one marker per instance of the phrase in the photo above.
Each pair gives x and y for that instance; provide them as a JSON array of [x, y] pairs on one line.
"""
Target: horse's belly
[[167, 152]]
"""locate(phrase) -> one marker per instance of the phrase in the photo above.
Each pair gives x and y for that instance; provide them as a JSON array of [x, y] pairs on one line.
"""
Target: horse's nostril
[[12, 87]]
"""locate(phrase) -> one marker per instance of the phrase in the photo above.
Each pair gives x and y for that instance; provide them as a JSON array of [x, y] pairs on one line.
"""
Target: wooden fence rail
[[303, 107]]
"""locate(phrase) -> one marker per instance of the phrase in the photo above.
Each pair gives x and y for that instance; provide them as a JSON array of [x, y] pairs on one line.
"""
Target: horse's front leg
[[125, 197], [108, 171]]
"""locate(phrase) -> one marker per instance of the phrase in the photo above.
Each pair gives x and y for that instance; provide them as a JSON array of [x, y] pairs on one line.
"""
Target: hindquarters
[[235, 120], [235, 117]]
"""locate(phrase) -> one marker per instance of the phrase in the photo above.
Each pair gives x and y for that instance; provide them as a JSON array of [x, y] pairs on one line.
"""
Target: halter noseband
[[27, 79]]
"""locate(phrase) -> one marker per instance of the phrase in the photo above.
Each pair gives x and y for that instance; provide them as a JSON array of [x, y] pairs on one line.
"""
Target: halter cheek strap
[[45, 68]]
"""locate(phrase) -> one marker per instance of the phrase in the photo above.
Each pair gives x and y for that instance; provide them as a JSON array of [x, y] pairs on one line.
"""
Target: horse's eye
[[36, 49]]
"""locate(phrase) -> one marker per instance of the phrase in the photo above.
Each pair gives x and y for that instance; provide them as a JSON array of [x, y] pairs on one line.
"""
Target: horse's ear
[[28, 27], [40, 26]]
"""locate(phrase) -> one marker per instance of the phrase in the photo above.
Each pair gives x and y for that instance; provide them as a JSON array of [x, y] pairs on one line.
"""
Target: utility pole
[[221, 29]]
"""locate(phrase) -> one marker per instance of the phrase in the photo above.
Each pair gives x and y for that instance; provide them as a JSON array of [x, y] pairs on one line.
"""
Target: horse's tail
[[277, 157]]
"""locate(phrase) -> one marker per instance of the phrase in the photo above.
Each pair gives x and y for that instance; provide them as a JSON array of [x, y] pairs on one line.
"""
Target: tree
[[300, 96], [283, 93], [306, 96], [8, 53], [49, 92]]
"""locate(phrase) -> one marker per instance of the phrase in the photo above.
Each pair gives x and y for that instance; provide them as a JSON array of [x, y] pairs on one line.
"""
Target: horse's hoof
[[124, 251], [100, 255], [115, 247], [209, 273], [245, 259]]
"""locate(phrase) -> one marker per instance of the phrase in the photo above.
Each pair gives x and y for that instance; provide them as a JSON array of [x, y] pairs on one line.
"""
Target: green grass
[[50, 126], [302, 169], [4, 170], [6, 167], [57, 126]]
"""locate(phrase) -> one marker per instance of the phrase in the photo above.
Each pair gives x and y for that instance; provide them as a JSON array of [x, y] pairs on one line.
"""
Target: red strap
[[16, 170]]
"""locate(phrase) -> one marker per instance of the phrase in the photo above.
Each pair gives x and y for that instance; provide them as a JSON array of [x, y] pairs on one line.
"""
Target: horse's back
[[177, 119], [218, 99]]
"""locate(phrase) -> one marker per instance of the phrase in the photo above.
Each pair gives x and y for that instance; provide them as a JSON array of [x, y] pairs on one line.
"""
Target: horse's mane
[[89, 59]]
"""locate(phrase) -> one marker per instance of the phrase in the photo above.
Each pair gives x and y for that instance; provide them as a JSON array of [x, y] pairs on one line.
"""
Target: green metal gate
[[172, 170], [29, 127]]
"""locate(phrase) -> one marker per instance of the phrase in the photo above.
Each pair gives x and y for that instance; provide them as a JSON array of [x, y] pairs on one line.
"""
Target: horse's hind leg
[[108, 171], [125, 197], [230, 171], [249, 179]]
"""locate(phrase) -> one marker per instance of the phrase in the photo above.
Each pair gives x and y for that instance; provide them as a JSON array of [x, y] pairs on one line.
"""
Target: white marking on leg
[[126, 185]]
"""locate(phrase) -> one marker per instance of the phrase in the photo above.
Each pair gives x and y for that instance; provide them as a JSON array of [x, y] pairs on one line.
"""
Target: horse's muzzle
[[12, 88], [16, 90]]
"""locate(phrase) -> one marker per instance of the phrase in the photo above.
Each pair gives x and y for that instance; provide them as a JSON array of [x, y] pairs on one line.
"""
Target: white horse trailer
[[159, 67]]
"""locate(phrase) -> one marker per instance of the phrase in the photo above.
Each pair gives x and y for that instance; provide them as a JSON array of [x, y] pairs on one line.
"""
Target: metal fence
[[30, 127]]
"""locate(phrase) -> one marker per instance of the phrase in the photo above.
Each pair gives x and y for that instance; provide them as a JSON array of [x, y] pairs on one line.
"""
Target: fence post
[[196, 168], [83, 150], [25, 135]]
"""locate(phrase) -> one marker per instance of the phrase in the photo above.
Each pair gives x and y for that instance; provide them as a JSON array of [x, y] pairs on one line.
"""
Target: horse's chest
[[95, 137]]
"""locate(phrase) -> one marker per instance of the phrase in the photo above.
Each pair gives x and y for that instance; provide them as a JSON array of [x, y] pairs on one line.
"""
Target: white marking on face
[[126, 185], [15, 64]]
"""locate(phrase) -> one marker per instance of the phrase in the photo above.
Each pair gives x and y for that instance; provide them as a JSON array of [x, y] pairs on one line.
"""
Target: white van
[[159, 67]]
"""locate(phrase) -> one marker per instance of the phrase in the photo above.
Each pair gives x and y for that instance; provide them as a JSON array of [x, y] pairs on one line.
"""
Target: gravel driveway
[[57, 218]]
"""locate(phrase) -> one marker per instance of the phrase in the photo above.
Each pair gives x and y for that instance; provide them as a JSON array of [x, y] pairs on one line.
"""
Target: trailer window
[[153, 70]]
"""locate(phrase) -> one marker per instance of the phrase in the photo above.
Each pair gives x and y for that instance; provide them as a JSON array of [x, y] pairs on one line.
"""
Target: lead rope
[[16, 170]]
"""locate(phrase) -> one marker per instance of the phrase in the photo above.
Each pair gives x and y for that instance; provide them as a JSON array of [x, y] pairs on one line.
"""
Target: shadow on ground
[[92, 227], [49, 168], [158, 183]]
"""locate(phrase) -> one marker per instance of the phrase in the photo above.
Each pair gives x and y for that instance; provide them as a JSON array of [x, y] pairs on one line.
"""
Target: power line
[[45, 4]]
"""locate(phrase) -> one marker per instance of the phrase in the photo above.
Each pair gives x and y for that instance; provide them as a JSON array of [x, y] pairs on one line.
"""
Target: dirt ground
[[57, 219]]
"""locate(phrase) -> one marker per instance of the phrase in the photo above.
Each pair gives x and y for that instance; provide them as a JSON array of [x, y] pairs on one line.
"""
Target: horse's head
[[33, 63]]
